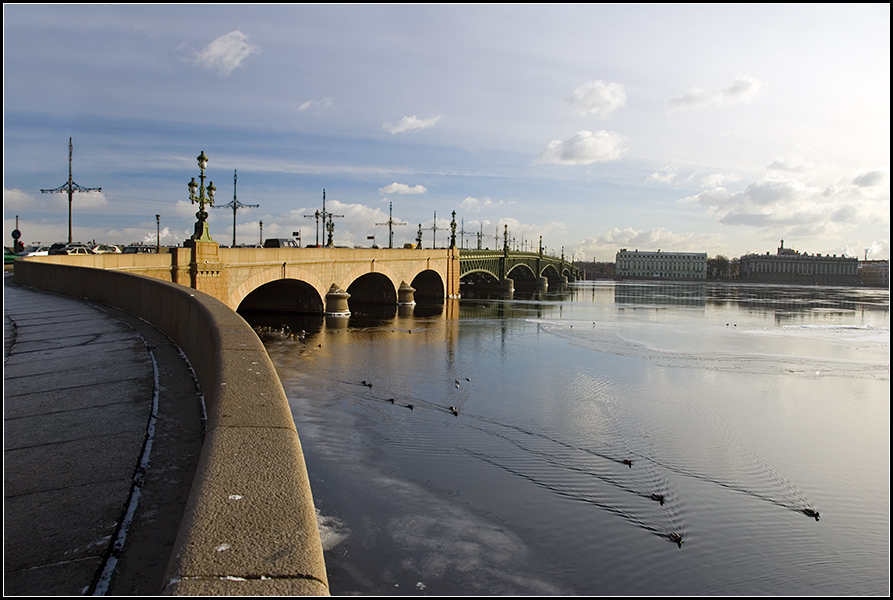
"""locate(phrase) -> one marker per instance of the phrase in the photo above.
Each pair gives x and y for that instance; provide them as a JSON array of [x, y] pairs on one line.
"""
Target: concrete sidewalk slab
[[100, 409]]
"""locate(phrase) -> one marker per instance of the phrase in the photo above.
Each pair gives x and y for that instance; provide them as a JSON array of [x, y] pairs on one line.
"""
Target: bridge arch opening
[[283, 296], [428, 287], [371, 288], [523, 277], [551, 273]]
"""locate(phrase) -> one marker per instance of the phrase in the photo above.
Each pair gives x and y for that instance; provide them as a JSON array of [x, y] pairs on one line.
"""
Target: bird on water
[[676, 538], [628, 463], [811, 513], [658, 498]]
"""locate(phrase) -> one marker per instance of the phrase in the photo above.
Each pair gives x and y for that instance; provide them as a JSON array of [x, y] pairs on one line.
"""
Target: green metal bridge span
[[524, 269]]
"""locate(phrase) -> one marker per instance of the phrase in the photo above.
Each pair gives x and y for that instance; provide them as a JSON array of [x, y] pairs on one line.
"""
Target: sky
[[686, 128]]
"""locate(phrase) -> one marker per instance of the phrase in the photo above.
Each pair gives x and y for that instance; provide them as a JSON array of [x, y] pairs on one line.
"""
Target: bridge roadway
[[318, 280]]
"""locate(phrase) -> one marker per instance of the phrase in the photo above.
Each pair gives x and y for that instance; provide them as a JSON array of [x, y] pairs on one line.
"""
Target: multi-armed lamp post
[[201, 225]]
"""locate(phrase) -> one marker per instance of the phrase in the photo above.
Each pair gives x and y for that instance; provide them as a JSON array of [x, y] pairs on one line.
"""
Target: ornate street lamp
[[201, 225]]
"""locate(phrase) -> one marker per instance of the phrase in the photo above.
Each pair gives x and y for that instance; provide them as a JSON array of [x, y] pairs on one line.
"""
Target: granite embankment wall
[[250, 526]]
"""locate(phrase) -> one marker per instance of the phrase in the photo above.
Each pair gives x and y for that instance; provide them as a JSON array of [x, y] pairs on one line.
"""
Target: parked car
[[280, 243], [140, 250], [73, 249], [105, 249], [35, 250], [9, 256]]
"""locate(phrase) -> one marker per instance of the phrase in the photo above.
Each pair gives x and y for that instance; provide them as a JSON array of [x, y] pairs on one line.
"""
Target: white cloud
[[605, 246], [596, 97], [15, 199], [663, 175], [410, 124], [226, 53], [785, 205], [742, 89], [320, 104], [717, 180], [81, 201], [472, 204], [402, 188], [585, 147]]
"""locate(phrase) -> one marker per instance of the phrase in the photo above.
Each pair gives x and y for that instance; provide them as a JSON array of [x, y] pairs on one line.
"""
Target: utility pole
[[390, 223], [235, 205], [433, 228], [71, 187], [317, 215], [462, 232]]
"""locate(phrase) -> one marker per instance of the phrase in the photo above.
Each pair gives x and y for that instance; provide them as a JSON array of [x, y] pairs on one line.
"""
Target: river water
[[742, 405]]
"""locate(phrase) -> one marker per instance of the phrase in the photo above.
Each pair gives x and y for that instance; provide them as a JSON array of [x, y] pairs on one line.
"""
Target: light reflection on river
[[742, 405]]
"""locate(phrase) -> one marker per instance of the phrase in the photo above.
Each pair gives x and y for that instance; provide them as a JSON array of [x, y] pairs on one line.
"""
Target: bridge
[[327, 280]]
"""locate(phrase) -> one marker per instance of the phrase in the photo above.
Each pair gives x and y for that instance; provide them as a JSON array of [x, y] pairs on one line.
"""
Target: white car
[[105, 249], [36, 250]]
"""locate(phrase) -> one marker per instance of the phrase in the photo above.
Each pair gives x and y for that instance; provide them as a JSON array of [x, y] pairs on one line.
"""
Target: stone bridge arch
[[278, 273]]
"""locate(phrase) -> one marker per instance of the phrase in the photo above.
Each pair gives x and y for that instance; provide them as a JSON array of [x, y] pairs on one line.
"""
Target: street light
[[157, 234], [201, 225]]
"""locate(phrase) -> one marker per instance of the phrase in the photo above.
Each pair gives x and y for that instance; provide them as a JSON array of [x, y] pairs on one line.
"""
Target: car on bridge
[[79, 249], [105, 249], [140, 250], [280, 243], [35, 250]]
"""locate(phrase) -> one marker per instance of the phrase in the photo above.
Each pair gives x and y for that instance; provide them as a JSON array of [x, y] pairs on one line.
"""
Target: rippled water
[[741, 405]]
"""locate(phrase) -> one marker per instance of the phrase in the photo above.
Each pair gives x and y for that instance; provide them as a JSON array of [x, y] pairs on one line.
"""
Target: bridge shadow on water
[[280, 325]]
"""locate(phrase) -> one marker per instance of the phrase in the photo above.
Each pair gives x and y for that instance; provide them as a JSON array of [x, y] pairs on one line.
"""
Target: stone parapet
[[250, 525]]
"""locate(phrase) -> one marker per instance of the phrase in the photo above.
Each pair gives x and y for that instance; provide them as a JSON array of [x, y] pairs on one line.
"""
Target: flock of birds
[[673, 536]]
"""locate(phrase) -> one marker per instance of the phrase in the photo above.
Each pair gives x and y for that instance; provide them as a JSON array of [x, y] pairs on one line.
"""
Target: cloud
[[784, 205], [742, 89], [15, 199], [584, 148], [663, 175], [605, 246], [596, 97], [717, 180], [402, 188], [81, 201], [870, 179], [410, 124], [226, 53], [321, 104], [472, 204]]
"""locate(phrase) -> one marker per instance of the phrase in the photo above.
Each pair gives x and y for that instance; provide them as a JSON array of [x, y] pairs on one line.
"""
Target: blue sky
[[718, 129]]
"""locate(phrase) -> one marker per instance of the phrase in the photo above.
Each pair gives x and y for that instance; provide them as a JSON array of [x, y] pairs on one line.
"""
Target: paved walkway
[[102, 430]]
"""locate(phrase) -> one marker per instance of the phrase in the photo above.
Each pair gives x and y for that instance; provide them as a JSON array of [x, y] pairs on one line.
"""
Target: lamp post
[[157, 234], [201, 225], [261, 233]]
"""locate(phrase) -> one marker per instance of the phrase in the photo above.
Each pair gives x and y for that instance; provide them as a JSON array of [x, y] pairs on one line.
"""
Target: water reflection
[[507, 477]]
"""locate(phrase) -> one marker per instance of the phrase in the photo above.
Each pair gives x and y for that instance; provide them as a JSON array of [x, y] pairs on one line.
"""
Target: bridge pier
[[542, 284], [507, 285], [336, 301], [406, 294]]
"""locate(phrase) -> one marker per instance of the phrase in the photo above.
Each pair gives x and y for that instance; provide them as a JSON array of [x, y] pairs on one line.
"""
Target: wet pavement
[[103, 425]]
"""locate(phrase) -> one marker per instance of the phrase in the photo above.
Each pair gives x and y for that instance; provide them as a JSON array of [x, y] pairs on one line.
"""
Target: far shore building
[[632, 264], [790, 266], [875, 273]]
